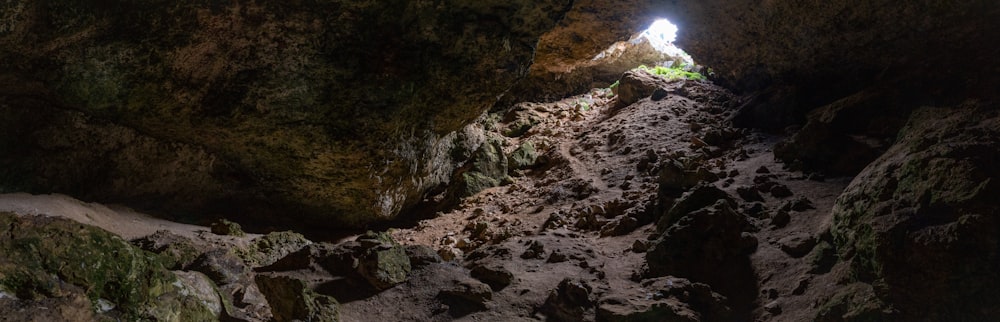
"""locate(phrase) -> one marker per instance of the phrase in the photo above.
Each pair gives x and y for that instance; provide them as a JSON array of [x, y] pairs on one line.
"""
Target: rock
[[226, 227], [291, 300], [464, 296], [73, 306], [674, 179], [755, 210], [801, 287], [245, 302], [52, 256], [797, 244], [775, 62], [659, 94], [621, 226], [666, 299], [640, 246], [780, 191], [568, 302], [855, 302], [556, 257], [699, 197], [822, 258], [832, 140], [493, 274], [706, 246], [749, 242], [635, 85], [486, 169], [382, 261], [535, 250], [749, 194], [780, 219], [177, 251], [521, 121], [801, 203], [450, 253], [762, 169], [524, 157], [926, 211], [421, 255], [222, 266], [773, 307], [201, 287], [268, 249], [251, 111]]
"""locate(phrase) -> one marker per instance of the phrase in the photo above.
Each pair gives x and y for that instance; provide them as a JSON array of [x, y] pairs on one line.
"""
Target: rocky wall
[[338, 112]]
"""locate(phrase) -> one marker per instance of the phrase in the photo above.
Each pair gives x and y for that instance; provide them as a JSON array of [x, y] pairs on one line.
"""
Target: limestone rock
[[524, 157], [570, 301], [833, 139], [707, 246], [699, 197], [382, 261], [636, 85], [268, 249], [292, 300], [177, 251], [486, 169], [222, 266], [226, 227], [38, 255], [797, 244], [926, 211], [493, 274], [201, 287], [667, 299], [829, 67], [421, 255], [274, 108], [466, 295]]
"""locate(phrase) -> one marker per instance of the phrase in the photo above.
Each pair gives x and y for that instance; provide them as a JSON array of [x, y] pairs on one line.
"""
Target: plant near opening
[[672, 73]]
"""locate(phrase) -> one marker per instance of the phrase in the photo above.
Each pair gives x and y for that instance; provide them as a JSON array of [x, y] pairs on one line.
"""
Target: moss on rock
[[38, 254]]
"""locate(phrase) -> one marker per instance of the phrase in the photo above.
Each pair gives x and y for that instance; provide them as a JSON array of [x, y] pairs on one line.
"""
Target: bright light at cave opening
[[661, 30], [661, 34]]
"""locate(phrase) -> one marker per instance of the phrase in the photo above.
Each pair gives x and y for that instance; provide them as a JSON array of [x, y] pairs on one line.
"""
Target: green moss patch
[[38, 254]]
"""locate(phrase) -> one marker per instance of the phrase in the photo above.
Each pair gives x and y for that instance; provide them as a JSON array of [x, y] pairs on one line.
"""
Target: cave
[[416, 160]]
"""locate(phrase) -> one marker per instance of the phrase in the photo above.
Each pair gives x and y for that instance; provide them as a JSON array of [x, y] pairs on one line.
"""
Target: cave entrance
[[661, 35], [652, 49]]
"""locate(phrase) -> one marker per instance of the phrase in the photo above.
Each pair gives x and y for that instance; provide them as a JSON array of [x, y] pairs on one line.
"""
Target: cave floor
[[567, 239], [569, 217]]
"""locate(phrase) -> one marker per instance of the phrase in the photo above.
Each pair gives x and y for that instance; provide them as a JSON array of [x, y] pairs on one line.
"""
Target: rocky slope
[[585, 209]]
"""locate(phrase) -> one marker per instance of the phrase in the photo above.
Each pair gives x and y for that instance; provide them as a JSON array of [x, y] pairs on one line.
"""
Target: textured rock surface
[[793, 40], [336, 111], [33, 266], [926, 211]]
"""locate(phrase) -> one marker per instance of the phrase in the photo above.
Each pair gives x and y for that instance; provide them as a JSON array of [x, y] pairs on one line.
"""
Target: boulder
[[635, 85], [46, 257], [292, 300], [667, 299], [382, 261], [570, 301], [926, 211]]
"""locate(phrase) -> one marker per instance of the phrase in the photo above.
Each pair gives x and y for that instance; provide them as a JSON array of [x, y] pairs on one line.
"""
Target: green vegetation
[[672, 72]]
